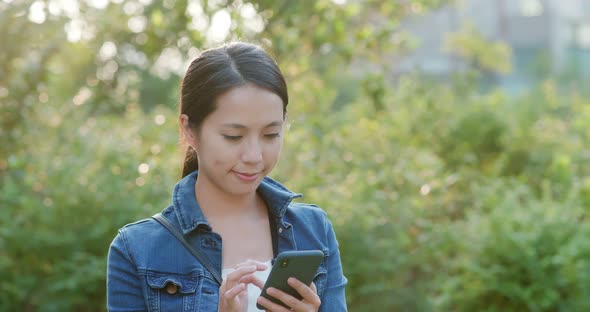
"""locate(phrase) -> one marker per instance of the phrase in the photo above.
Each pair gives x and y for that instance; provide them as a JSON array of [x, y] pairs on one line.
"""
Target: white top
[[253, 290]]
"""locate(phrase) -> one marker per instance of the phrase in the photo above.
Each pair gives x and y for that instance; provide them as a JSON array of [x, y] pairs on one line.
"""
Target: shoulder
[[138, 227], [142, 240], [308, 213], [308, 220], [143, 229], [311, 228]]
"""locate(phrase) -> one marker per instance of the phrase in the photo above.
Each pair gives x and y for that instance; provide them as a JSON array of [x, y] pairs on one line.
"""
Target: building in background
[[547, 37]]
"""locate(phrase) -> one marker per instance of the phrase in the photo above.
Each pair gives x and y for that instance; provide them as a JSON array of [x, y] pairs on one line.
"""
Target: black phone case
[[300, 264]]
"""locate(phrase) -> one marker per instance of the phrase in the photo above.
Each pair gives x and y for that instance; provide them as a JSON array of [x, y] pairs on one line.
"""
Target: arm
[[123, 284], [333, 298]]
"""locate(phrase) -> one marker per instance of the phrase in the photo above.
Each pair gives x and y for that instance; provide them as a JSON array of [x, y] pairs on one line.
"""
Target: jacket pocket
[[172, 292]]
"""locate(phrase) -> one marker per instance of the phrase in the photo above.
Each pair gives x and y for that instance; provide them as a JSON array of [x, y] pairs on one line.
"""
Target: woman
[[232, 113]]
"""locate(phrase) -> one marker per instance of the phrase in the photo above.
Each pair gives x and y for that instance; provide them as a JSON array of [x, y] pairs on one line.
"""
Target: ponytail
[[191, 162]]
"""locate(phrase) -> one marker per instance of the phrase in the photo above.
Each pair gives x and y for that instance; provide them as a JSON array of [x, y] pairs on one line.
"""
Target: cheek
[[272, 152], [217, 152], [224, 154]]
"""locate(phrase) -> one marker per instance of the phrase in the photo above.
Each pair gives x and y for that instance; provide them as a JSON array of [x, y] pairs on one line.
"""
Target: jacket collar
[[190, 215]]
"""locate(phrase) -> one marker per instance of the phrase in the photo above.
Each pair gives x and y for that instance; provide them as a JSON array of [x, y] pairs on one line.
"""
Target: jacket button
[[280, 230], [171, 288]]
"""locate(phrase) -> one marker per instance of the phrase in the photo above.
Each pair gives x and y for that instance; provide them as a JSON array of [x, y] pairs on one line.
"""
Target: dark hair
[[216, 71]]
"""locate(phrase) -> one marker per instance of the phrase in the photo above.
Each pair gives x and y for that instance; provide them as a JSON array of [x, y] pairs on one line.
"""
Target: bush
[[519, 254], [64, 199]]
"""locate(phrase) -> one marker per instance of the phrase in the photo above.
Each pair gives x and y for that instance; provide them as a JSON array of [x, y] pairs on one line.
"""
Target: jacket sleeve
[[334, 298], [123, 283]]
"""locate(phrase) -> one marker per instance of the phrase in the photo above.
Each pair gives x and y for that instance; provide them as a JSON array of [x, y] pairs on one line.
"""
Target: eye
[[272, 135], [232, 137]]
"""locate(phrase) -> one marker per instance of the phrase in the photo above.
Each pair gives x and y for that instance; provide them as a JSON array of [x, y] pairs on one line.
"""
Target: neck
[[215, 203]]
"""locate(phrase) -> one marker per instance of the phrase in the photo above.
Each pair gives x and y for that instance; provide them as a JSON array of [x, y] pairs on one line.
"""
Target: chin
[[242, 191]]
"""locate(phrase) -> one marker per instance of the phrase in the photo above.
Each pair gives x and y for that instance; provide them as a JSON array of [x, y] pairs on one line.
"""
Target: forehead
[[248, 105]]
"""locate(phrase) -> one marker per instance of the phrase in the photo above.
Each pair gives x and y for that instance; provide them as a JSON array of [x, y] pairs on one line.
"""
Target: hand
[[233, 293], [310, 300]]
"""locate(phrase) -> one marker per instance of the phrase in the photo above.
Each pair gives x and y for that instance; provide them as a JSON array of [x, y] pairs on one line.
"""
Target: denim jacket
[[149, 270]]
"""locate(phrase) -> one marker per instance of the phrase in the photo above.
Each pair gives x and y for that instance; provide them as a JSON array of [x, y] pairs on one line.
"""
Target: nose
[[252, 152]]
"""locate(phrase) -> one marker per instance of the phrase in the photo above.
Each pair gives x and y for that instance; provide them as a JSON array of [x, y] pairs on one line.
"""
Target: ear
[[188, 134]]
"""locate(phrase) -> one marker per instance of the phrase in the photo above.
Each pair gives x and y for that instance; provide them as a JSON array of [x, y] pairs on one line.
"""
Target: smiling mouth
[[247, 176]]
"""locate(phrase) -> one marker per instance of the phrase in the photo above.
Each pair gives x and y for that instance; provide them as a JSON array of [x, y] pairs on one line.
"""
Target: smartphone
[[300, 264]]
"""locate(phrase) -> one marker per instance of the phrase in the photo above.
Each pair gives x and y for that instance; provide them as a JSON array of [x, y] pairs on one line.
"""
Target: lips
[[247, 176]]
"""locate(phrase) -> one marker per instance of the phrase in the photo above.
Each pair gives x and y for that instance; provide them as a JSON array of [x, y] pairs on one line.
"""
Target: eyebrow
[[240, 126]]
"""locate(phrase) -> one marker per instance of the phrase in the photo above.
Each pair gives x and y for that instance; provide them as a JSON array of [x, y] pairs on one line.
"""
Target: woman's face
[[240, 142]]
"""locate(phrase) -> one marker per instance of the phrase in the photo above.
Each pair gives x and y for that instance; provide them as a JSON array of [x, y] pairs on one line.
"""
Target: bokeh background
[[449, 141]]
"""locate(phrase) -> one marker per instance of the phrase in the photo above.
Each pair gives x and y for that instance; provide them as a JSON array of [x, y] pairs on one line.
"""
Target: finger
[[271, 306], [259, 265], [315, 290], [233, 277], [252, 279], [305, 291], [284, 298], [232, 293]]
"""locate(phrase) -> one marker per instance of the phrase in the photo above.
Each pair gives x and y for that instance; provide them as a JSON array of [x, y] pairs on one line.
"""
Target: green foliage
[[64, 199], [483, 55], [443, 198], [525, 254], [437, 203]]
